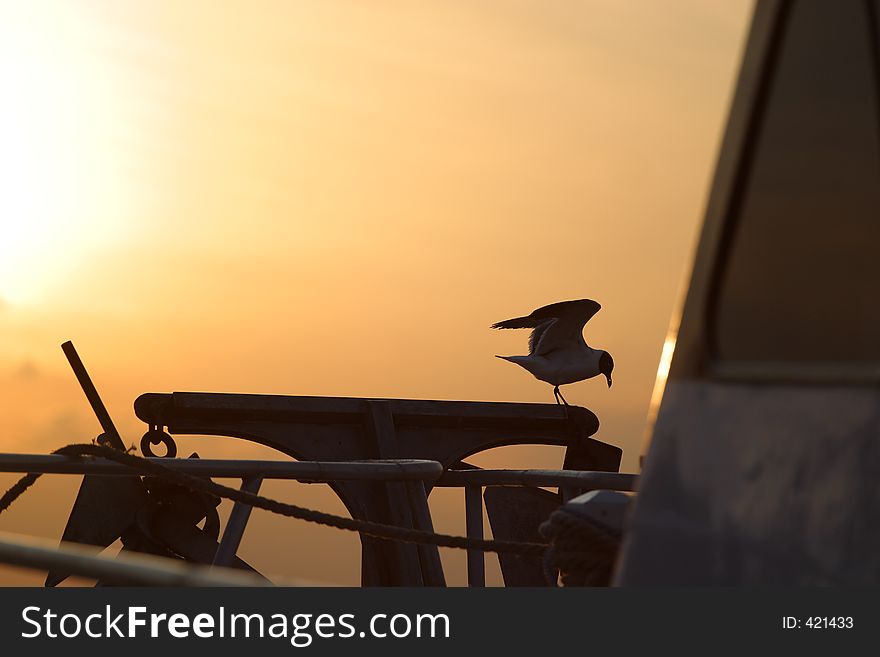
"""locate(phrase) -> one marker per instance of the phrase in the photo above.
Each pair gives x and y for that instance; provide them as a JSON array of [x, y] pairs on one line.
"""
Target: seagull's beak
[[609, 381]]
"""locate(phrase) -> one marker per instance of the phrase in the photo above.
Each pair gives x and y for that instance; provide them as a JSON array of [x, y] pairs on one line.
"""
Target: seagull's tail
[[526, 362], [519, 360]]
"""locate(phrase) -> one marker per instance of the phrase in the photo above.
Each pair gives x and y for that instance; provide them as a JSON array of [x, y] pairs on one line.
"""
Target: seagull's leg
[[558, 395]]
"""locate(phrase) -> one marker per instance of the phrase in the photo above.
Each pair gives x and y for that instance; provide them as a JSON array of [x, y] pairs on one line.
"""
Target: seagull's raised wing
[[555, 326]]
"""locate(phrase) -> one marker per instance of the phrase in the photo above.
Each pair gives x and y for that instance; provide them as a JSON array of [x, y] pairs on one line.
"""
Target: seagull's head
[[606, 365]]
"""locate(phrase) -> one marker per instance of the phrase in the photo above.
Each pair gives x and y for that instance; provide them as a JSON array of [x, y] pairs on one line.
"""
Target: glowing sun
[[59, 183]]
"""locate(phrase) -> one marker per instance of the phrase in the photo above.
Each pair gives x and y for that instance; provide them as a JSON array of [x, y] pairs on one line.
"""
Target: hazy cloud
[[68, 426], [27, 371]]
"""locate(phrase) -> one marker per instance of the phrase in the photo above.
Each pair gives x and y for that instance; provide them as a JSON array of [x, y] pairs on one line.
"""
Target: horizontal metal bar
[[312, 471], [583, 479], [170, 407], [327, 471], [124, 568]]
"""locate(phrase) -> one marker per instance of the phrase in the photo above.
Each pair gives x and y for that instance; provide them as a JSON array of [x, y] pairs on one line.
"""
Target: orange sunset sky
[[338, 197]]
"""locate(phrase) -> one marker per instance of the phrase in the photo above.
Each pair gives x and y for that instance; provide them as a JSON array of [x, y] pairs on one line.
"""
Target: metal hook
[[156, 436]]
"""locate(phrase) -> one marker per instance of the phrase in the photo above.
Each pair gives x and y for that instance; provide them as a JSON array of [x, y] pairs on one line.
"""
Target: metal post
[[236, 524], [92, 396], [402, 561], [473, 511], [429, 555]]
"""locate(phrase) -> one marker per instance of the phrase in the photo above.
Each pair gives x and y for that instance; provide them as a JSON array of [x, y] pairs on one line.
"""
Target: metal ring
[[156, 436]]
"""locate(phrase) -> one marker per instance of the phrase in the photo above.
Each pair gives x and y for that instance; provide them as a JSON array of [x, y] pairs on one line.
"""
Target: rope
[[17, 489], [365, 527], [582, 550]]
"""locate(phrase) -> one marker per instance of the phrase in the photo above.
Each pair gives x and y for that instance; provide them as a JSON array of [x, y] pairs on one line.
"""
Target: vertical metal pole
[[429, 555], [473, 513], [236, 524], [402, 560]]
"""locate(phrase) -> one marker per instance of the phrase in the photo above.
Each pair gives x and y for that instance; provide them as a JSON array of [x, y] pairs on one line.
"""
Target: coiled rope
[[366, 527], [582, 550]]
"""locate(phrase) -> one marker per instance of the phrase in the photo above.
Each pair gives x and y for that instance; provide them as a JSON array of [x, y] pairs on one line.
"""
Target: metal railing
[[252, 473], [129, 568], [83, 561], [307, 471], [568, 481]]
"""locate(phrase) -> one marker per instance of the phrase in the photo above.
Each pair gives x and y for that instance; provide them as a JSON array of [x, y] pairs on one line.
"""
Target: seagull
[[558, 353]]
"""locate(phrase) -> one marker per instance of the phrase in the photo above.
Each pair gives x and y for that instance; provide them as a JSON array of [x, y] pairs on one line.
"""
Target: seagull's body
[[558, 353], [562, 366]]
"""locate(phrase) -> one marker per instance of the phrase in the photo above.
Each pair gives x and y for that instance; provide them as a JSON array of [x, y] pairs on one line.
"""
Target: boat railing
[[83, 561]]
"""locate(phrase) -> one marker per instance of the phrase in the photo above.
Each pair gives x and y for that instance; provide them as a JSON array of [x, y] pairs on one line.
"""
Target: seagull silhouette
[[558, 353]]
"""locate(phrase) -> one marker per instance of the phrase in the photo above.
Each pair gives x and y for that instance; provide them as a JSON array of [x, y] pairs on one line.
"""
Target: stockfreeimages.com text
[[300, 629]]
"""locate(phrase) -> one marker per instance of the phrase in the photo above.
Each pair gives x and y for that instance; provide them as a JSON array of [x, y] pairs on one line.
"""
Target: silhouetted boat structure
[[765, 454], [381, 456]]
